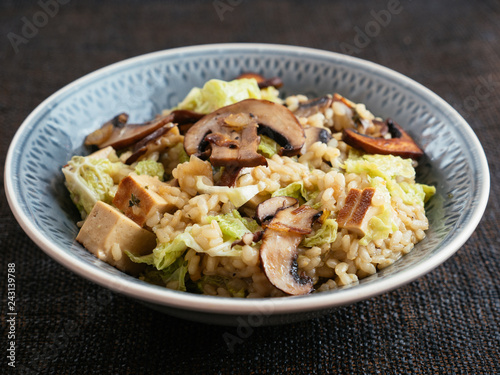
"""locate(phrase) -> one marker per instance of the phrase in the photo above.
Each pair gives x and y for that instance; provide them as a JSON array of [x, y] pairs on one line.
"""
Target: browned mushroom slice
[[123, 135], [118, 134], [313, 135], [185, 119], [235, 143], [261, 81], [313, 106], [278, 254], [232, 133], [295, 219], [266, 210], [101, 135], [273, 81], [229, 176], [141, 146], [184, 116], [401, 144], [279, 248], [357, 211]]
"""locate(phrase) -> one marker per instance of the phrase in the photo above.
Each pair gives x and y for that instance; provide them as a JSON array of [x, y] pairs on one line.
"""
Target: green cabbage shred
[[216, 94], [175, 272], [90, 180], [165, 254], [398, 174], [150, 168], [296, 190], [268, 147], [393, 177], [326, 234], [233, 225]]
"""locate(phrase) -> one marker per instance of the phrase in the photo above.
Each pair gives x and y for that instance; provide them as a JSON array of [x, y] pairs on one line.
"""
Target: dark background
[[445, 322]]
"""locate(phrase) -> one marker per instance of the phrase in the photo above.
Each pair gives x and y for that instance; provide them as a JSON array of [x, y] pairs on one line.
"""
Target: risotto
[[237, 192]]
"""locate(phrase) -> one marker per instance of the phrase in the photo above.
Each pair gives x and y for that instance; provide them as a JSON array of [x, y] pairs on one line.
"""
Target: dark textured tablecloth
[[445, 322]]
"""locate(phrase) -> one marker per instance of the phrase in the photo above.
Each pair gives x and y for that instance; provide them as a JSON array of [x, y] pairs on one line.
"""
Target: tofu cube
[[107, 234], [103, 153], [137, 197]]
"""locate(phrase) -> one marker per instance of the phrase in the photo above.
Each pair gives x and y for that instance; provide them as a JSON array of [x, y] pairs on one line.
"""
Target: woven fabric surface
[[445, 322]]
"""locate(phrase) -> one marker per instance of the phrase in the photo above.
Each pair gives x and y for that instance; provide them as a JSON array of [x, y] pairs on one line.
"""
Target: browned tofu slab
[[137, 197], [357, 211]]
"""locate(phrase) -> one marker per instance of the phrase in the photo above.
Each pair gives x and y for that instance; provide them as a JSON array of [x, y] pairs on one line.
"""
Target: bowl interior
[[143, 86]]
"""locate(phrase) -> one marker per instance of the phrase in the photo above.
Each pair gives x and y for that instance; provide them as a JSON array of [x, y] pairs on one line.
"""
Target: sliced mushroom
[[266, 210], [185, 119], [119, 135], [100, 136], [141, 147], [229, 176], [184, 116], [357, 211], [313, 135], [234, 144], [278, 255], [279, 248], [313, 106], [295, 219], [232, 133], [401, 144], [261, 81]]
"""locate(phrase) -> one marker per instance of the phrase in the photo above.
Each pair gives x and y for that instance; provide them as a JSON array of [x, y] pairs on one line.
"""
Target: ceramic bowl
[[454, 162]]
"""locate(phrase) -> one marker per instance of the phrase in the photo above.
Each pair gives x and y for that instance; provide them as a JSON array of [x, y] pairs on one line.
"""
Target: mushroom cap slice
[[401, 144], [313, 106], [185, 118], [232, 132], [279, 248], [101, 135], [140, 148], [235, 146], [295, 219], [266, 210], [278, 255], [123, 135], [118, 134]]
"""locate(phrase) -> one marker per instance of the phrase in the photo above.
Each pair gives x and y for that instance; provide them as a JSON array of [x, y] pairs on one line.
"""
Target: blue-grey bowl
[[142, 86]]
